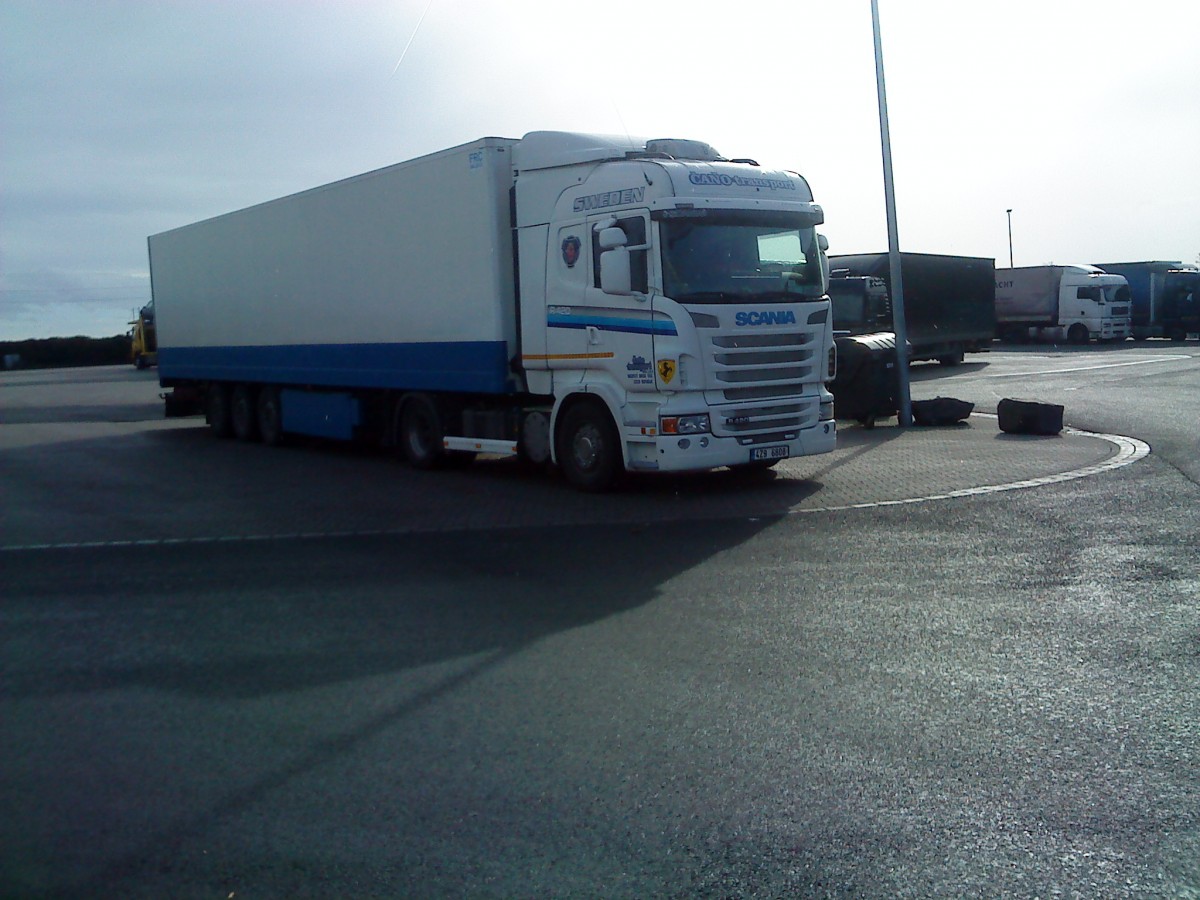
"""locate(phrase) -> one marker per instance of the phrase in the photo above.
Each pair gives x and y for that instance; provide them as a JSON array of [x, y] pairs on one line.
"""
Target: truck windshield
[[1116, 293], [739, 261]]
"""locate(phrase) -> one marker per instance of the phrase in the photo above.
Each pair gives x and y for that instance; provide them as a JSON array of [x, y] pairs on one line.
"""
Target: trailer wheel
[[1078, 334], [216, 410], [588, 452], [419, 432], [243, 413], [951, 359], [270, 417]]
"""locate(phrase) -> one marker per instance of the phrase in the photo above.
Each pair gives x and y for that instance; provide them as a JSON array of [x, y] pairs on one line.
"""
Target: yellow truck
[[143, 341]]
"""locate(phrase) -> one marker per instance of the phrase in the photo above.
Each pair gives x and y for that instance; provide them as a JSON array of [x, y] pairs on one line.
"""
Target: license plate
[[768, 453]]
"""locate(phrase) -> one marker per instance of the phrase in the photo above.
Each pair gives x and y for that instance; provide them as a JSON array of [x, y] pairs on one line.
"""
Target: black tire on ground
[[588, 450], [419, 432], [270, 417], [216, 410], [243, 413], [1077, 334]]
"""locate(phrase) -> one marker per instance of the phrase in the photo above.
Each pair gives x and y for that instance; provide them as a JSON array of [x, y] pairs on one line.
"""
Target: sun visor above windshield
[[733, 181]]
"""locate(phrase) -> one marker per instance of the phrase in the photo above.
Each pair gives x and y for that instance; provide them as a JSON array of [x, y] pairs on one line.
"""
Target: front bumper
[[696, 453]]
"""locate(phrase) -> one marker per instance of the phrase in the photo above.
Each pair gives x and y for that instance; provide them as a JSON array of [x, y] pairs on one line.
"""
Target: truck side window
[[1088, 293], [635, 240]]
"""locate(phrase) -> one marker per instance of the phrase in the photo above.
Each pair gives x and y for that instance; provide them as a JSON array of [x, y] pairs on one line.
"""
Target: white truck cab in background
[[1074, 303]]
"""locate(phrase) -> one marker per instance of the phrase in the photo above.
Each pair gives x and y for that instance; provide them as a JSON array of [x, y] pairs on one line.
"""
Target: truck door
[[625, 323], [568, 275]]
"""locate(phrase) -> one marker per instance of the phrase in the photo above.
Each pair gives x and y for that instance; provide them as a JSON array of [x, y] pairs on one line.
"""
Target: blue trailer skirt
[[471, 367]]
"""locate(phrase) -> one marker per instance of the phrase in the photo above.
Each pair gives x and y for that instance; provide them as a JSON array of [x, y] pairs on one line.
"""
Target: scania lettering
[[603, 304], [774, 317]]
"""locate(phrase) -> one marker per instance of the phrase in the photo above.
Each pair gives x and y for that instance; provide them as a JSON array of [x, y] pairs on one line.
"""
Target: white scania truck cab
[[686, 293]]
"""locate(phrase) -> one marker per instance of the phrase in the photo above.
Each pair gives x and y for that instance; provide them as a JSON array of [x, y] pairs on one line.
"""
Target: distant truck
[[1075, 303], [1166, 298], [602, 303], [143, 342], [949, 301]]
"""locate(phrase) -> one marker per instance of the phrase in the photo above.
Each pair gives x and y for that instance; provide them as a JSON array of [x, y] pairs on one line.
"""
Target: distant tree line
[[53, 353]]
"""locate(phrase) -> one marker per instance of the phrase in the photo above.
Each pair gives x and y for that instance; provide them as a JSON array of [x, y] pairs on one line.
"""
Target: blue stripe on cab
[[606, 323]]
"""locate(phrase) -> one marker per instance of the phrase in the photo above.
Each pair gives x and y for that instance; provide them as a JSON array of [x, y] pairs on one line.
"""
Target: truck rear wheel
[[216, 410], [588, 452], [243, 414], [270, 417], [419, 432]]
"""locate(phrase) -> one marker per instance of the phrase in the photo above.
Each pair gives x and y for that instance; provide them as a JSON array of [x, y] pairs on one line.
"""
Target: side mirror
[[823, 243], [615, 273], [611, 238]]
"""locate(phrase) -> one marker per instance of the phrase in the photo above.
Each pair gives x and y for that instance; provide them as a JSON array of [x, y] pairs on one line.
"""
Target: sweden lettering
[[766, 317], [610, 198]]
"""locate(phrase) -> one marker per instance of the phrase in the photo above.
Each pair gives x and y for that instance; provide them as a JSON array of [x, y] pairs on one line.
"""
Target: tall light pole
[[1010, 257], [889, 193]]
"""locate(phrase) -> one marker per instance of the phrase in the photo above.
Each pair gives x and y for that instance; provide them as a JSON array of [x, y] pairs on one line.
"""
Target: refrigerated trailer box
[[602, 303], [1075, 303], [949, 301]]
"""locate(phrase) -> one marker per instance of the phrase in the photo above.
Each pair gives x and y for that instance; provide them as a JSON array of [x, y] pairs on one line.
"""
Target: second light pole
[[898, 326], [1010, 256]]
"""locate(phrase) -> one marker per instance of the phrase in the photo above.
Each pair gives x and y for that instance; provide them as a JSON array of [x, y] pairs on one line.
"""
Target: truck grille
[[747, 371], [758, 366], [1120, 310]]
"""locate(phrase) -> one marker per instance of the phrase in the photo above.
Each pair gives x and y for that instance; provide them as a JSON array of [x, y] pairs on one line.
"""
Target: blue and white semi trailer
[[602, 303]]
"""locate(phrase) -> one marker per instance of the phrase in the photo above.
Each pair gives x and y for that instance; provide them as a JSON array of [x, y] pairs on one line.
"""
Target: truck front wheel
[[1078, 334], [588, 452]]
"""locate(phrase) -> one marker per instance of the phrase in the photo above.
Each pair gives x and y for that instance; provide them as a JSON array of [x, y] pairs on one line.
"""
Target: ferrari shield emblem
[[666, 370]]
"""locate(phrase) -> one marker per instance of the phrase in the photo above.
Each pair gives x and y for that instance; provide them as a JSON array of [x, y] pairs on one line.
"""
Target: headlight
[[685, 424]]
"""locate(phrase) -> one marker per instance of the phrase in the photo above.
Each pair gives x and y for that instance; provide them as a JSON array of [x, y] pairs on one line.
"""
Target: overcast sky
[[123, 119]]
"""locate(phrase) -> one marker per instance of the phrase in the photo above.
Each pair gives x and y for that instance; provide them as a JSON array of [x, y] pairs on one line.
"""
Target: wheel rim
[[587, 448]]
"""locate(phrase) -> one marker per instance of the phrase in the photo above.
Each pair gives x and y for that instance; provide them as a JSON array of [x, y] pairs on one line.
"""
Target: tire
[[951, 359], [419, 432], [1078, 334], [243, 413], [588, 450], [270, 417], [216, 410]]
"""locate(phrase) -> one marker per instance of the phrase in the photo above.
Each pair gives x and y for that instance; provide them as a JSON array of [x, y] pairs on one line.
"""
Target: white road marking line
[[1136, 362], [1129, 450]]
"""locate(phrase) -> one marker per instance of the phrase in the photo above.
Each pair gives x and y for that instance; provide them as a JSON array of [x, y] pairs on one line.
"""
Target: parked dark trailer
[[949, 301], [1166, 297]]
